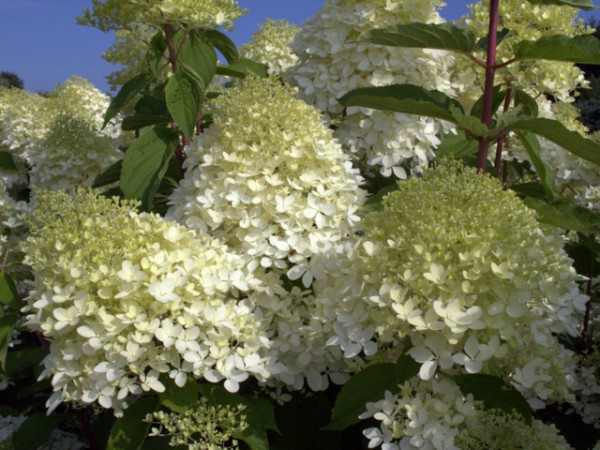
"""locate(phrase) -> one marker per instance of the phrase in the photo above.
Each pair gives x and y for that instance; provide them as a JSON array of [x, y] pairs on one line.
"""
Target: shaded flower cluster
[[461, 269], [331, 63], [205, 427], [424, 414], [122, 307]]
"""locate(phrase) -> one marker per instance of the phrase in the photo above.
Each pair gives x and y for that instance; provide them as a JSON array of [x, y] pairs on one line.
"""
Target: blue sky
[[44, 46]]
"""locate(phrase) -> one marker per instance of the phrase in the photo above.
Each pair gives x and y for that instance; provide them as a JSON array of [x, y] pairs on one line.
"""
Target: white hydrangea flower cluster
[[494, 429], [587, 386], [125, 297], [58, 140], [423, 414], [528, 22], [269, 180], [22, 124], [272, 46], [12, 213], [59, 439], [192, 13], [128, 14], [333, 63], [461, 269]]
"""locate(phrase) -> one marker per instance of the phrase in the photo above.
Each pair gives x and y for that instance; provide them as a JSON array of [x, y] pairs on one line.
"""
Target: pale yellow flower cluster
[[462, 270], [58, 140], [269, 180], [528, 22], [272, 46], [333, 63], [127, 14], [191, 13], [125, 297]]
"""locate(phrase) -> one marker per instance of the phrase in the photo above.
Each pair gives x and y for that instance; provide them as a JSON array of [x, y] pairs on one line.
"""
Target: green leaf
[[139, 121], [545, 174], [565, 214], [259, 412], [19, 360], [584, 49], [470, 123], [530, 106], [129, 432], [301, 420], [127, 92], [531, 189], [368, 385], [224, 45], [178, 398], [406, 368], [184, 100], [243, 67], [457, 145], [155, 55], [34, 431], [152, 105], [443, 36], [7, 323], [111, 175], [9, 295], [146, 162], [500, 36], [374, 202], [198, 55], [403, 98], [581, 4], [7, 162], [494, 393], [556, 132], [497, 99]]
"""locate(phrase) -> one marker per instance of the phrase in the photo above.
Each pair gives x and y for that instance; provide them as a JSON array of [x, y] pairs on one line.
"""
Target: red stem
[[488, 93], [502, 138], [171, 47]]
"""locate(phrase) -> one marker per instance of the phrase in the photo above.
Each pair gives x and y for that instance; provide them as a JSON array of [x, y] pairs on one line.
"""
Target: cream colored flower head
[[124, 297], [462, 269], [272, 46], [126, 14], [331, 63], [528, 22], [269, 179]]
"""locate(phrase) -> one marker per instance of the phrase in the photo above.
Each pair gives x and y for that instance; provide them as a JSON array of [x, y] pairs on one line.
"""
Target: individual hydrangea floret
[[332, 62], [461, 268], [124, 297], [272, 46]]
